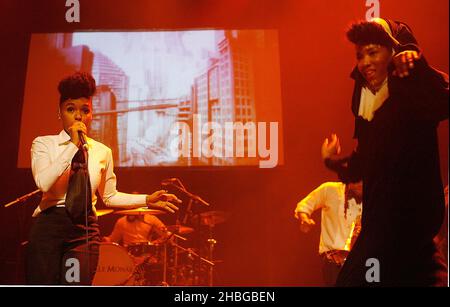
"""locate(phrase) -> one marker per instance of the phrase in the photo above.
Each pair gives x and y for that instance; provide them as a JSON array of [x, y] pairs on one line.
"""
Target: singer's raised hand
[[331, 148], [404, 62]]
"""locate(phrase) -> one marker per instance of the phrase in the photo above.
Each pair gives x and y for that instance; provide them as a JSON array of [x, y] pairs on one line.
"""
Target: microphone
[[82, 140]]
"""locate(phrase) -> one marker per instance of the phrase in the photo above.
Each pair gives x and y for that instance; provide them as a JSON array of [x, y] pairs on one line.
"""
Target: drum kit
[[166, 263], [162, 264]]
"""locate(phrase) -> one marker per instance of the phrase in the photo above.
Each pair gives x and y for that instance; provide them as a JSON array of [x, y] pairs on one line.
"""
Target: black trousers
[[402, 263], [330, 272], [61, 253]]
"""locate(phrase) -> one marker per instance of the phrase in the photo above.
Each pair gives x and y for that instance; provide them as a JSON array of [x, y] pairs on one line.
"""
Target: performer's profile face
[[373, 61], [79, 109]]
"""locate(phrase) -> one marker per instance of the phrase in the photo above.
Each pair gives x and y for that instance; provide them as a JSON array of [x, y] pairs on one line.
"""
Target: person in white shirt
[[341, 211], [135, 229], [58, 244]]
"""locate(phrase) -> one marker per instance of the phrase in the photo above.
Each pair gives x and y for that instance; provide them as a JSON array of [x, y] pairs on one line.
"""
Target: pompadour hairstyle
[[365, 33], [77, 85]]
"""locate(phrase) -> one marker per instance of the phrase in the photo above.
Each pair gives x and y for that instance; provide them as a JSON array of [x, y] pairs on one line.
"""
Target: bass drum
[[115, 266]]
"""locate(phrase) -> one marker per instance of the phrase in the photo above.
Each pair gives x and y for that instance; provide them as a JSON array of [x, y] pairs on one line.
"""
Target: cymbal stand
[[164, 281], [165, 265], [177, 184], [175, 261], [191, 252], [211, 243]]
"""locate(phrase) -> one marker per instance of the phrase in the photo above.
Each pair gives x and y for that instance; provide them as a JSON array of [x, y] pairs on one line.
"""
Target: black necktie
[[78, 197]]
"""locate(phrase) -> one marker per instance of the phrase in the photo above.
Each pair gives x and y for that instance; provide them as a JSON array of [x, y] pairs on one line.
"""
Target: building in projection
[[107, 73], [52, 57], [104, 127], [225, 92], [163, 98], [185, 115]]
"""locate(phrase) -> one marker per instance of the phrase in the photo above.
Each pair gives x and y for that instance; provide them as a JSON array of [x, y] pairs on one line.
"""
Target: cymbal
[[212, 218], [102, 212], [140, 211], [180, 229]]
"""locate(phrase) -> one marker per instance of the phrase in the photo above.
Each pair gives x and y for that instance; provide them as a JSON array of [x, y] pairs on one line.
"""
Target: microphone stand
[[179, 186], [22, 198], [84, 148]]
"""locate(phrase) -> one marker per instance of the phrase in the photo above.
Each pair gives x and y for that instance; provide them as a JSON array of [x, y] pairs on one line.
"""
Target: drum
[[149, 259], [115, 266], [152, 253]]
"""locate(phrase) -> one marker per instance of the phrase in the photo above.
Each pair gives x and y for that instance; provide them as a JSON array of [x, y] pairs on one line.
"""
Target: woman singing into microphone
[[64, 237]]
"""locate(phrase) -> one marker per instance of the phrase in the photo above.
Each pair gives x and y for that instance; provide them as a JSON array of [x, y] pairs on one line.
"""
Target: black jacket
[[397, 158]]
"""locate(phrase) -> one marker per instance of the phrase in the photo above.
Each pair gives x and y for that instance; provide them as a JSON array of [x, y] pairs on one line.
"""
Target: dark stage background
[[260, 244]]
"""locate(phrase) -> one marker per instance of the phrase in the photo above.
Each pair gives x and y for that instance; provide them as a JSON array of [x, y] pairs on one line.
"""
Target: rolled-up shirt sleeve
[[312, 202], [45, 171], [113, 198]]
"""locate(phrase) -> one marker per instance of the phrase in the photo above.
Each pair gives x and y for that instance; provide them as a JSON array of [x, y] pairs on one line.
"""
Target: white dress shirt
[[336, 230], [51, 158]]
